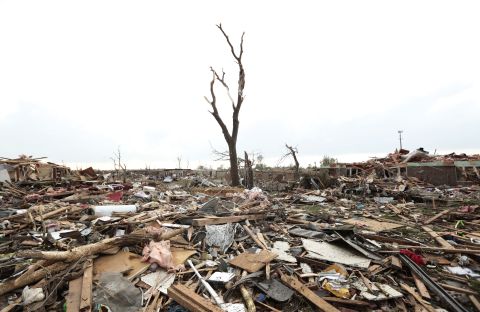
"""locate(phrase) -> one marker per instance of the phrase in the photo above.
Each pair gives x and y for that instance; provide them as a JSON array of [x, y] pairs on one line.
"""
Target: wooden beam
[[254, 237], [73, 297], [475, 302], [458, 289], [307, 293], [438, 215], [187, 298], [422, 289], [437, 249], [348, 302], [86, 294], [437, 237], [417, 297]]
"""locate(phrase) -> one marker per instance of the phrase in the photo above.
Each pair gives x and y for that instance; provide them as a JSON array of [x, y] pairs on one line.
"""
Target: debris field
[[89, 241]]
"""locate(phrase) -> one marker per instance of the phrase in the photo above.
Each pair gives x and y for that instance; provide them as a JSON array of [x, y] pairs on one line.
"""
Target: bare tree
[[248, 172], [118, 165], [327, 161], [292, 151], [179, 161], [230, 138]]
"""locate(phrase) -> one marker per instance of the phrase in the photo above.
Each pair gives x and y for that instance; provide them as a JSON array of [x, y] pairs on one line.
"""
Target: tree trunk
[[293, 152], [248, 172], [233, 164], [297, 169]]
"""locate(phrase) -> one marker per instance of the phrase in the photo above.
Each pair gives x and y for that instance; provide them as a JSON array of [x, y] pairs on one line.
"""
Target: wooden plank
[[223, 220], [253, 237], [475, 302], [417, 297], [267, 306], [373, 225], [122, 262], [368, 284], [307, 293], [396, 262], [438, 215], [458, 289], [86, 294], [472, 251], [73, 297], [437, 237], [348, 302], [422, 289], [253, 262], [187, 298]]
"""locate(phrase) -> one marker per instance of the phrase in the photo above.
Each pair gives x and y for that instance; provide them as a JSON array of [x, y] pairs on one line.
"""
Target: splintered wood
[[307, 293], [253, 262], [190, 300]]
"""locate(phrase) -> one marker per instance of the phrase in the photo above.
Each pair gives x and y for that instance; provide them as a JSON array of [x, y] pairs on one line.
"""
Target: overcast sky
[[338, 78]]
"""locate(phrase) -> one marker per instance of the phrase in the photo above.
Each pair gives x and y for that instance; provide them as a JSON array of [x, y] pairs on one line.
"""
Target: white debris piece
[[281, 248], [31, 295], [330, 252]]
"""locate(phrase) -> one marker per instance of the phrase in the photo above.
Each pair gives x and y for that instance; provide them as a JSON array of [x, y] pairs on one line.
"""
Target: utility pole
[[400, 137]]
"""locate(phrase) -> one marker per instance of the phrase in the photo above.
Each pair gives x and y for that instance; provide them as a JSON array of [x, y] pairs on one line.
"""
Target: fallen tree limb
[[93, 249], [27, 279]]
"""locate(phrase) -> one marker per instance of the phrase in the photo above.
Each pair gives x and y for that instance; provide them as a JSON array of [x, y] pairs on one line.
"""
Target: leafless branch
[[293, 151], [239, 56], [222, 81], [230, 137], [219, 156]]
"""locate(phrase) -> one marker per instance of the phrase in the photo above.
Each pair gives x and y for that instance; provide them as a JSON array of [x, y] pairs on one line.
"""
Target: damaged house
[[26, 168]]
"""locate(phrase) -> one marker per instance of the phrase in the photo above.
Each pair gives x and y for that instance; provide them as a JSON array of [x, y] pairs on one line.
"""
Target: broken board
[[334, 253], [123, 262], [373, 225], [253, 261], [73, 299], [180, 255]]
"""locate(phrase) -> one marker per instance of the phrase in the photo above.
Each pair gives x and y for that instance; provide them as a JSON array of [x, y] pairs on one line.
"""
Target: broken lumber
[[349, 302], [417, 297], [458, 289], [223, 220], [187, 298], [307, 293], [437, 237], [254, 237], [72, 299], [86, 294], [422, 289], [438, 215], [475, 302], [427, 248]]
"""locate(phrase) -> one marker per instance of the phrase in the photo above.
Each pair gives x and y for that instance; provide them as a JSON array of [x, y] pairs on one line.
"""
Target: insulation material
[[220, 235], [330, 252], [159, 253]]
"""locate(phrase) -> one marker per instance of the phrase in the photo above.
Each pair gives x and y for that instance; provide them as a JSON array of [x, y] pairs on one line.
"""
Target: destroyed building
[[24, 169], [381, 236]]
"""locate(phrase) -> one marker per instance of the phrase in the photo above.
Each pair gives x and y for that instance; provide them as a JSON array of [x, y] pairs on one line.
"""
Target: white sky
[[338, 78]]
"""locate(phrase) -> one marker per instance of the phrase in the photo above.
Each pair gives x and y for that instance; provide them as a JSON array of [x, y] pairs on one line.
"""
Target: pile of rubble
[[78, 241]]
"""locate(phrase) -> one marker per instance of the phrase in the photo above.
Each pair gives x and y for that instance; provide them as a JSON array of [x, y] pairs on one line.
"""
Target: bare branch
[[230, 138], [213, 103], [222, 81], [219, 156], [238, 58]]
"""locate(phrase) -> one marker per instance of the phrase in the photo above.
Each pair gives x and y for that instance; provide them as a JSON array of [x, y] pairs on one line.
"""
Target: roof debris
[[376, 237]]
